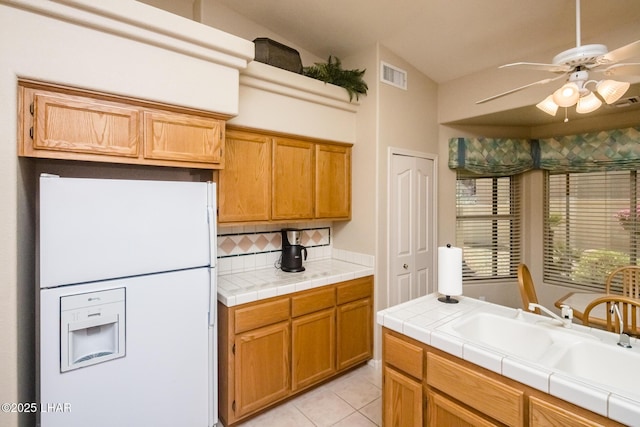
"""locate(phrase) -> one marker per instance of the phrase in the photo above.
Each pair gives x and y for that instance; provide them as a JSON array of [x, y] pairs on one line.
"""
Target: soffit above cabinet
[[126, 48], [148, 24], [281, 101]]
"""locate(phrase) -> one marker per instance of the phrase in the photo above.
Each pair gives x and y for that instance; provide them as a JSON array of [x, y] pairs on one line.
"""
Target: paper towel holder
[[447, 298]]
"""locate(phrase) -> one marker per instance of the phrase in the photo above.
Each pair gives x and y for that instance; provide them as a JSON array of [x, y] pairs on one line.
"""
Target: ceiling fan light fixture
[[548, 106], [611, 90], [587, 104], [567, 95]]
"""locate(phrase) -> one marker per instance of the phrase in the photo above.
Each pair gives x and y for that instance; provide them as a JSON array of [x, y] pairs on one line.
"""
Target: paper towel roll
[[449, 270]]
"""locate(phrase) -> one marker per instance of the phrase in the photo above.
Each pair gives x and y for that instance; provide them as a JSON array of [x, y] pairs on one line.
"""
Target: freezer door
[[97, 229]]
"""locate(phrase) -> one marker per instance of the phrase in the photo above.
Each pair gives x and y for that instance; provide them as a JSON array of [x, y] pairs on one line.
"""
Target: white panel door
[[411, 228]]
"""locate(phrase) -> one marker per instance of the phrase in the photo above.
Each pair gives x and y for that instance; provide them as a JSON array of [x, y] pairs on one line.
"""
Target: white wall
[[212, 13]]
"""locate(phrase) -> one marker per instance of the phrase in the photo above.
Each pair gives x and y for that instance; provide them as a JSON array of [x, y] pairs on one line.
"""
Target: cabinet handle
[[405, 266], [31, 132], [32, 109]]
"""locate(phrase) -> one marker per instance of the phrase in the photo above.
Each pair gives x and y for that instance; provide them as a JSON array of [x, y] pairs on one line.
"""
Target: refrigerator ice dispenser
[[92, 328]]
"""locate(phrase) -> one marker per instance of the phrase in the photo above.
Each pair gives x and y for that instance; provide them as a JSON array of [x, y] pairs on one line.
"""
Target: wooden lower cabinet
[[354, 335], [443, 411], [272, 349], [262, 367], [313, 351], [402, 396], [459, 393]]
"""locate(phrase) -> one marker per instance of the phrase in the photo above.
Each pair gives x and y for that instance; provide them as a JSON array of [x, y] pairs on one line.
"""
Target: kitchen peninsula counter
[[240, 288], [427, 321]]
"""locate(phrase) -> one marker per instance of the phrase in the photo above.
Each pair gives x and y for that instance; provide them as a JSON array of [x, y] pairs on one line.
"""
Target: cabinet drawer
[[497, 400], [262, 314], [542, 413], [355, 289], [312, 301], [403, 355]]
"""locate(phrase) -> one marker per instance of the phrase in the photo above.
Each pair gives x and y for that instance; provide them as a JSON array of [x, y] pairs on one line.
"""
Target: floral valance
[[490, 156], [617, 149]]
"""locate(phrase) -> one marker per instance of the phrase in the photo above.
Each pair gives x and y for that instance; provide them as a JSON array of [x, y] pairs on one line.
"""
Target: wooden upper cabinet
[[269, 178], [68, 123], [293, 186], [333, 181], [244, 186], [182, 137], [65, 123]]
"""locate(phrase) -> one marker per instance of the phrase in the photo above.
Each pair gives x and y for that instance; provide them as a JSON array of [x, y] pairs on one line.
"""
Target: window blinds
[[590, 226], [488, 226]]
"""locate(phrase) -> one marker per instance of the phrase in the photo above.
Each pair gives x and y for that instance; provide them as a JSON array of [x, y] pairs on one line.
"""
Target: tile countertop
[[426, 319], [240, 288]]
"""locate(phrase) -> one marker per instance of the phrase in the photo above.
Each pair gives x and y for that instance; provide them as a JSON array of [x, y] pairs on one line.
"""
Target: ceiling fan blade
[[627, 69], [539, 82], [554, 68], [628, 51]]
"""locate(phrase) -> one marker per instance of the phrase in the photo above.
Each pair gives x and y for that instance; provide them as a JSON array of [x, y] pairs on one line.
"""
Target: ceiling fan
[[575, 65]]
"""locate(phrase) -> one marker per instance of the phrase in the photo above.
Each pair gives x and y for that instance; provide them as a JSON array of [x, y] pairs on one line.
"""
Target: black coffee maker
[[292, 250]]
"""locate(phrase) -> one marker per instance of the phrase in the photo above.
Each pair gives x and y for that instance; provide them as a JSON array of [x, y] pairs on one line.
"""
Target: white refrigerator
[[127, 298]]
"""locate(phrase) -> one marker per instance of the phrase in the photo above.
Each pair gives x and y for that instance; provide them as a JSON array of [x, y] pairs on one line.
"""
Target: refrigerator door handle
[[211, 219]]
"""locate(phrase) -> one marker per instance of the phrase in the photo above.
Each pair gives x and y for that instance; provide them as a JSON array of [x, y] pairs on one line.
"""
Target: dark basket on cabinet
[[276, 54]]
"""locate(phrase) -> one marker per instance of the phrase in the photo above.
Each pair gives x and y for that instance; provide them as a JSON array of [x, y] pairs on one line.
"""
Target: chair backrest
[[626, 278], [527, 288], [629, 310]]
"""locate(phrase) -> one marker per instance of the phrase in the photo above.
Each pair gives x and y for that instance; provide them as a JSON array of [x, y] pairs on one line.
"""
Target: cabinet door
[[244, 185], [355, 330], [333, 181], [182, 137], [63, 123], [261, 367], [402, 397], [313, 348], [293, 189], [442, 411]]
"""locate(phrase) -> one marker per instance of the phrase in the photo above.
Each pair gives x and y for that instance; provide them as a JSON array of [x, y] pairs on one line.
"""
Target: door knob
[[405, 266]]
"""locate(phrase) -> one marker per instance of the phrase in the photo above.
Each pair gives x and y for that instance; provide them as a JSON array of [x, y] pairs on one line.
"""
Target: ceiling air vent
[[393, 76], [626, 102]]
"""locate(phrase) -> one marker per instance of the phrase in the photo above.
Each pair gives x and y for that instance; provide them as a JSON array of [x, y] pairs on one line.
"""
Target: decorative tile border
[[263, 242]]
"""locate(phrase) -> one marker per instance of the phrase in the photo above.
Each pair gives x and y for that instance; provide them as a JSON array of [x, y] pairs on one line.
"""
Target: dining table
[[578, 301]]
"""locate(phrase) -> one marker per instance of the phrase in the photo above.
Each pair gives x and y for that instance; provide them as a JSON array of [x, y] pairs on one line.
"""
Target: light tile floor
[[353, 400]]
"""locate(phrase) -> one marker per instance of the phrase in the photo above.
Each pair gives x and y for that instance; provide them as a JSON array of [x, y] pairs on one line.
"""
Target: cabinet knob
[[405, 266]]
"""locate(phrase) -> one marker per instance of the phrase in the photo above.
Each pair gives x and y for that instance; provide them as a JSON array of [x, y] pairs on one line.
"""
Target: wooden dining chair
[[527, 288], [629, 309], [624, 280]]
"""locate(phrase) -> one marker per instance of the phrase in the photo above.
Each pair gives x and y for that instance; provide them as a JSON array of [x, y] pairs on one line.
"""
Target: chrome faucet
[[625, 340], [567, 313]]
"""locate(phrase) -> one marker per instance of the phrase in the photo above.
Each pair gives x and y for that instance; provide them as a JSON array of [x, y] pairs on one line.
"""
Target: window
[[488, 226], [591, 226]]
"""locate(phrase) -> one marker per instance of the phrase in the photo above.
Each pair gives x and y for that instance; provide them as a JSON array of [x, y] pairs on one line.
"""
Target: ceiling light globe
[[611, 90], [588, 103], [548, 106], [567, 95]]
